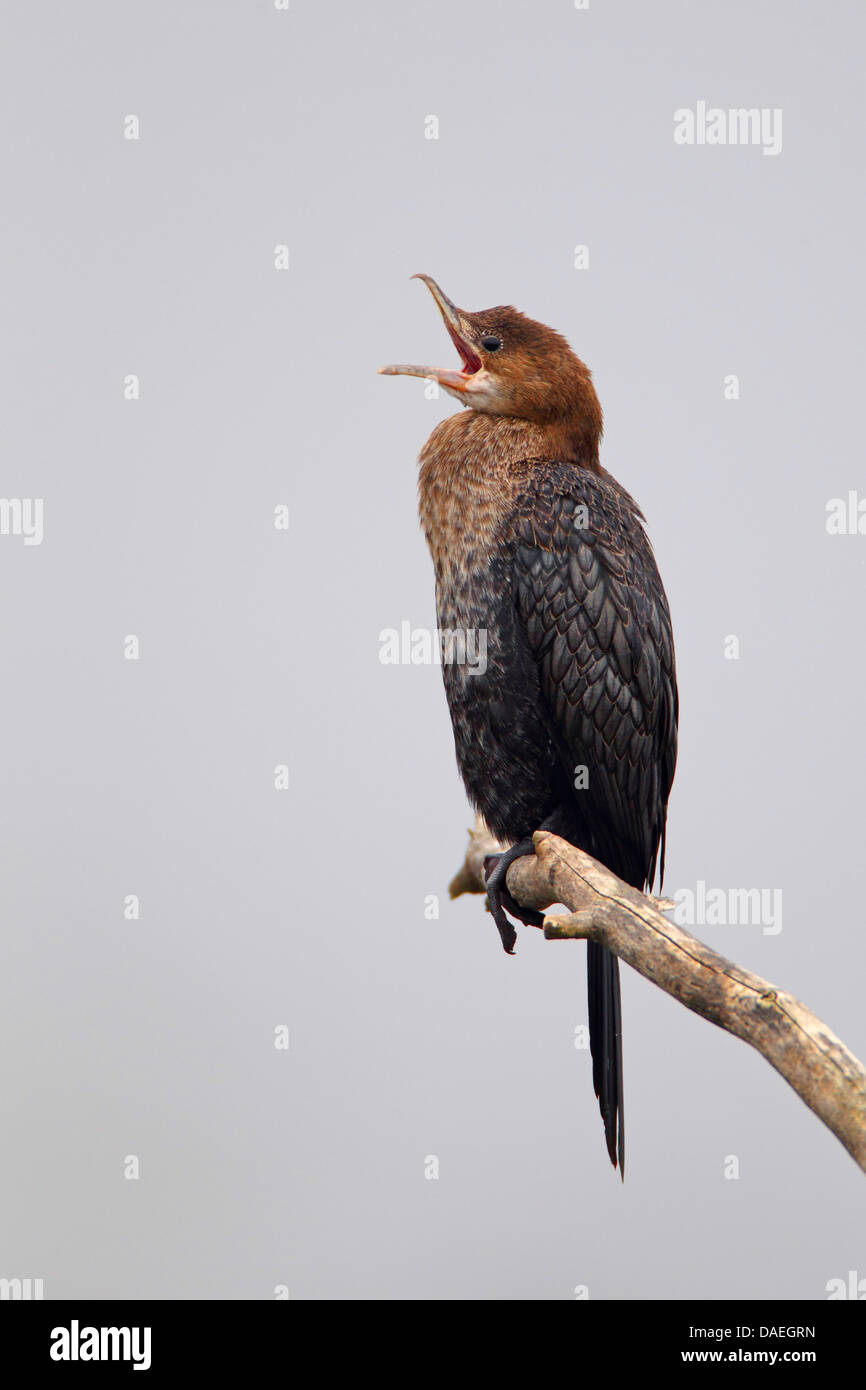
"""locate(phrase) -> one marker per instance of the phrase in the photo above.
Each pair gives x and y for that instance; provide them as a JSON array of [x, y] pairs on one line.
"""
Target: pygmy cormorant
[[572, 725]]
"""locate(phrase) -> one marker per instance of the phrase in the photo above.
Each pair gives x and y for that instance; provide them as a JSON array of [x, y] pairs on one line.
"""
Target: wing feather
[[596, 619]]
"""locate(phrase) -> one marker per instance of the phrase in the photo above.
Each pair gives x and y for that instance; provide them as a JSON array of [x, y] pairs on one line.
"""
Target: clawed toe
[[527, 915], [500, 900], [507, 934]]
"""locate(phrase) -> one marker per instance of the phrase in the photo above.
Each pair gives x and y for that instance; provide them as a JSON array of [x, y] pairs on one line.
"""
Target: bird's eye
[[491, 344]]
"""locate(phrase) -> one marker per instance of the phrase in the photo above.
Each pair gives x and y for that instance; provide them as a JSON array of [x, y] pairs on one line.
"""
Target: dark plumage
[[572, 726]]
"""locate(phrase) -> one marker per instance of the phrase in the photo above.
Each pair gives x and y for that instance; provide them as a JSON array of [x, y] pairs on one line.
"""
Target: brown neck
[[473, 468], [507, 440]]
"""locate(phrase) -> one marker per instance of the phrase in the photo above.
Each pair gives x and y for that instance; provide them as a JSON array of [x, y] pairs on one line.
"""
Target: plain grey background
[[306, 907]]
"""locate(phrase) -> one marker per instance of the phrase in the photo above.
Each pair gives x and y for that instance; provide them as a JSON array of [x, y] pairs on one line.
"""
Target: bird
[[571, 725]]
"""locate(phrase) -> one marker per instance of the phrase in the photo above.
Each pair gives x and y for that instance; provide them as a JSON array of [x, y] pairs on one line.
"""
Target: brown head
[[515, 367]]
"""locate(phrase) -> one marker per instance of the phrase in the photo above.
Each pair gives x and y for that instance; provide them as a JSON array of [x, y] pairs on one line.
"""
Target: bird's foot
[[499, 899]]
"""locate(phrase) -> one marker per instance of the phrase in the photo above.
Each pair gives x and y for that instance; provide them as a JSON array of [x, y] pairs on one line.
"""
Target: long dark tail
[[605, 1042]]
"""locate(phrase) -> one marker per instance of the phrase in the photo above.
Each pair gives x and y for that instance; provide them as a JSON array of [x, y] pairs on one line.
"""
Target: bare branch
[[826, 1076]]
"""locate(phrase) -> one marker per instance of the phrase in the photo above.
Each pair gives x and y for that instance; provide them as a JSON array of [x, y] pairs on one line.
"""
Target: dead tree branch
[[825, 1075]]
